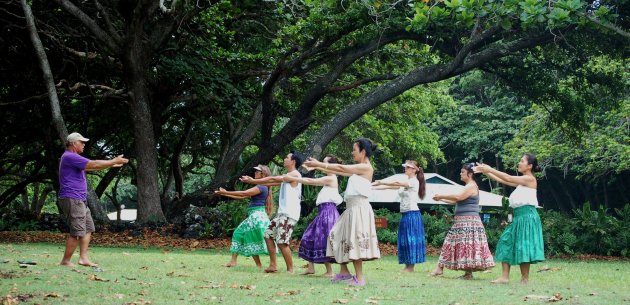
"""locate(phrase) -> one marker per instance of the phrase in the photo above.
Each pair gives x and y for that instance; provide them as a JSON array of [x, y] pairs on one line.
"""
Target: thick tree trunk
[[134, 63], [96, 207]]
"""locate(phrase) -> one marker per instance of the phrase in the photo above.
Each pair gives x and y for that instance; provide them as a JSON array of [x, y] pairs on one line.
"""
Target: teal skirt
[[248, 238], [522, 240]]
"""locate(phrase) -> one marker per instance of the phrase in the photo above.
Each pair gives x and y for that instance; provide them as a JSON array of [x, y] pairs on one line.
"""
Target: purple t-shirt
[[72, 180]]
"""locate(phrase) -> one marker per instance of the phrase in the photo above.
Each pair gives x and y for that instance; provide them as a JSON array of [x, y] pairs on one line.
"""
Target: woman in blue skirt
[[411, 243], [522, 241]]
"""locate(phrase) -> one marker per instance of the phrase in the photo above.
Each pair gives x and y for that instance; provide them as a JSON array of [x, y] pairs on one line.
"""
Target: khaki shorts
[[280, 229], [77, 216]]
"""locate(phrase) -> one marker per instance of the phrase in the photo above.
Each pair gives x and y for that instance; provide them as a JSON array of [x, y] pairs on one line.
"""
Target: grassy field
[[173, 276]]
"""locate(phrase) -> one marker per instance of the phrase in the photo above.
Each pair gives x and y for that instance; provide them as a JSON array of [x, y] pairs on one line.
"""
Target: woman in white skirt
[[353, 237]]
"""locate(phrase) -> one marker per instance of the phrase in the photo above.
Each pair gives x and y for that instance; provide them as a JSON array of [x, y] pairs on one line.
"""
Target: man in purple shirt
[[73, 196]]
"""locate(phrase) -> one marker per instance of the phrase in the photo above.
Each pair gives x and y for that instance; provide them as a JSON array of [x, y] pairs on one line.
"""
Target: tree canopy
[[212, 88]]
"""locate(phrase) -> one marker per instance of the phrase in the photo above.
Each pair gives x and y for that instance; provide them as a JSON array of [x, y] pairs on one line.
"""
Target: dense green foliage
[[584, 231]]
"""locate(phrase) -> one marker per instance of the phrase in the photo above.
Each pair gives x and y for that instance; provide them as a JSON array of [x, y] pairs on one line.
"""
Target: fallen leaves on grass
[[248, 287], [546, 268], [371, 301], [593, 294], [340, 301], [93, 277], [153, 238], [554, 298], [10, 300], [172, 274], [7, 274], [210, 286], [290, 292], [52, 295], [139, 302]]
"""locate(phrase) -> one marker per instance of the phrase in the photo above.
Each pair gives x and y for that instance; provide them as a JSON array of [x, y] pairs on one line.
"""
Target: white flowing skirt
[[353, 237]]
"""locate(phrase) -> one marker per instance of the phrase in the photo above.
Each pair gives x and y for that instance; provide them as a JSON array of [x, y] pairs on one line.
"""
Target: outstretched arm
[[391, 184], [268, 181], [340, 169], [251, 192], [322, 181], [504, 178], [497, 179], [94, 165], [467, 192]]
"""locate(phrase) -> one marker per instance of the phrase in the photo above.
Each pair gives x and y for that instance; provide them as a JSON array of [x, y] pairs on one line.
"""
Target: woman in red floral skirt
[[466, 245]]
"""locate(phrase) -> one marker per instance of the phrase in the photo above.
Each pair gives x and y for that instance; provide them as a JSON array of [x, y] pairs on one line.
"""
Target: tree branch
[[57, 118], [610, 26], [361, 82], [108, 22], [100, 34]]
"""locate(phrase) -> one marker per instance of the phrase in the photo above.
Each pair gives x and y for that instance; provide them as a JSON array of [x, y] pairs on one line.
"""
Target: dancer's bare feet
[[437, 272], [67, 264], [271, 269], [308, 272], [328, 274], [230, 264], [466, 276], [290, 270], [524, 281], [500, 280], [87, 263], [407, 269]]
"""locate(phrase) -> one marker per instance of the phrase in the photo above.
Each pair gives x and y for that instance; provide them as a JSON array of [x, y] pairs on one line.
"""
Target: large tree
[[219, 87]]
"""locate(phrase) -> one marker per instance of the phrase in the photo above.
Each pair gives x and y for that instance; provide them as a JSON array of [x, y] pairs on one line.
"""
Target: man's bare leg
[[286, 254], [271, 247], [84, 243], [71, 244]]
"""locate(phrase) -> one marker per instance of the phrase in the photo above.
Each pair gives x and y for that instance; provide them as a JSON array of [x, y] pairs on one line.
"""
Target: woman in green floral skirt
[[522, 241], [248, 238]]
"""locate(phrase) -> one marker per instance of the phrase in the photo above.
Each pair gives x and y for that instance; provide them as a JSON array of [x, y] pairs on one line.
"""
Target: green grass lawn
[[173, 276]]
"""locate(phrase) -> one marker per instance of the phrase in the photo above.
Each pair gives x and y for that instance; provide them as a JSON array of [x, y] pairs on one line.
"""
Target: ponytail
[[422, 187]]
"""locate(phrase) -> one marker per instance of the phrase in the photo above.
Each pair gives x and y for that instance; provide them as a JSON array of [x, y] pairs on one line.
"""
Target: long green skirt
[[522, 240], [248, 238]]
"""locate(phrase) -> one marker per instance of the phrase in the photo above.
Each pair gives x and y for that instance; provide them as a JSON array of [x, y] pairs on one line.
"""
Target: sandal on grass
[[355, 282], [27, 262], [341, 277]]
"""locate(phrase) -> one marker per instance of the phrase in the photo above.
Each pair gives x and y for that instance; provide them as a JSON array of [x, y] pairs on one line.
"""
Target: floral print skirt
[[248, 239], [353, 237]]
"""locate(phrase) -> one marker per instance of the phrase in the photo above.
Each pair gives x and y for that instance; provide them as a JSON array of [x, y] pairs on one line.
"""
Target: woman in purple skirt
[[315, 238]]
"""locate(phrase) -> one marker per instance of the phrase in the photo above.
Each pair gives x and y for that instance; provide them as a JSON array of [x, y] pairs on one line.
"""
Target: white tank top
[[358, 186], [523, 195], [289, 200], [328, 194]]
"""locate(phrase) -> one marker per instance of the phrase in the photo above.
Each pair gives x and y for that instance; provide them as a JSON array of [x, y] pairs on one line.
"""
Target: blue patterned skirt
[[411, 243]]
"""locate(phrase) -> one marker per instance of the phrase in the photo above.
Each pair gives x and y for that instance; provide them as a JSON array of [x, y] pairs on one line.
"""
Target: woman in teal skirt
[[248, 238], [522, 241]]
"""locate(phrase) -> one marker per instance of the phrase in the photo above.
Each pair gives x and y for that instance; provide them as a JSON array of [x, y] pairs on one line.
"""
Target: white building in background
[[125, 215], [435, 184]]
